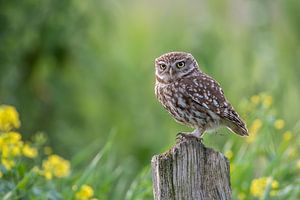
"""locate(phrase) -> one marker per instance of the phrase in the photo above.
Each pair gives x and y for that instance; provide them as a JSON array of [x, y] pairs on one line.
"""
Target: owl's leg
[[197, 133]]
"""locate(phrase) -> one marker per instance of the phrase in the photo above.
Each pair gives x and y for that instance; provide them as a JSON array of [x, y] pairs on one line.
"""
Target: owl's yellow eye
[[180, 64], [163, 66]]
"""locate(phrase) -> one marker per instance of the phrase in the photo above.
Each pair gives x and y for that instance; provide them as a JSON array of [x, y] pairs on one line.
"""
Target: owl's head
[[172, 66]]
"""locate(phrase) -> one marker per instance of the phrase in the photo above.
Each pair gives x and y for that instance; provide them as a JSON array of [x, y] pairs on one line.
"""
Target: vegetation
[[82, 72], [265, 166]]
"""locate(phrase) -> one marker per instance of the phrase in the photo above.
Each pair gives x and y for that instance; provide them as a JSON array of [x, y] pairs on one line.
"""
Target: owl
[[192, 97]]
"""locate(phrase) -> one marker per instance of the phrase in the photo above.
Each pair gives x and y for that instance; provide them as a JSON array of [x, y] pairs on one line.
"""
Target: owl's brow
[[180, 60], [161, 62]]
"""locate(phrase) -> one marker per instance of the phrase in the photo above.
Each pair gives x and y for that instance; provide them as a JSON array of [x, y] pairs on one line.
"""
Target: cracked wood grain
[[191, 171]]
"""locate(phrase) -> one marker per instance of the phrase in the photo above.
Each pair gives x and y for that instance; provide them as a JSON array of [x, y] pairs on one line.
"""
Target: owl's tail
[[235, 124]]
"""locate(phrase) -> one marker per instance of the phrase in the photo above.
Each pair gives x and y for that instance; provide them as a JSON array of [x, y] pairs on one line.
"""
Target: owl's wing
[[207, 92]]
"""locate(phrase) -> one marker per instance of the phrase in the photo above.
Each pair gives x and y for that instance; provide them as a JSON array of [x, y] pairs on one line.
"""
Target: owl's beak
[[171, 72]]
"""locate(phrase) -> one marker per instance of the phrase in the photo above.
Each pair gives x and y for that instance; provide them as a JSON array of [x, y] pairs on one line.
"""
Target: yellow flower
[[287, 136], [229, 154], [10, 147], [5, 151], [10, 144], [267, 100], [255, 99], [48, 175], [258, 186], [55, 166], [279, 124], [9, 118], [15, 150], [256, 125], [86, 192], [7, 163], [274, 184], [13, 137], [29, 151], [298, 164]]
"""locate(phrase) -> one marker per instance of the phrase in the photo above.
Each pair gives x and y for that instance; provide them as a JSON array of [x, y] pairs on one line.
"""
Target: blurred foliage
[[79, 70], [266, 166], [29, 170]]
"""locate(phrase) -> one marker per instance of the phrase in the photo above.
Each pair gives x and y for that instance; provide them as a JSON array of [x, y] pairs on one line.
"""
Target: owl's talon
[[180, 136]]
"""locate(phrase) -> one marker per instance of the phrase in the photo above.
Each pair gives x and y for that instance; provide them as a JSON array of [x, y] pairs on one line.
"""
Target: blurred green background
[[78, 70]]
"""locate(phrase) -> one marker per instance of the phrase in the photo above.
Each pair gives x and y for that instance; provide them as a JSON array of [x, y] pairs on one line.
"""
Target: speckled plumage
[[192, 97]]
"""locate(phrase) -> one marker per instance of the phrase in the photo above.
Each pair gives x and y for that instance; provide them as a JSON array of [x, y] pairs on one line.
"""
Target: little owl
[[192, 97]]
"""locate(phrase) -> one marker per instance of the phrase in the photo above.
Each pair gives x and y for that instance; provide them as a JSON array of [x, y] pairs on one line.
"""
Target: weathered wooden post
[[190, 171]]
